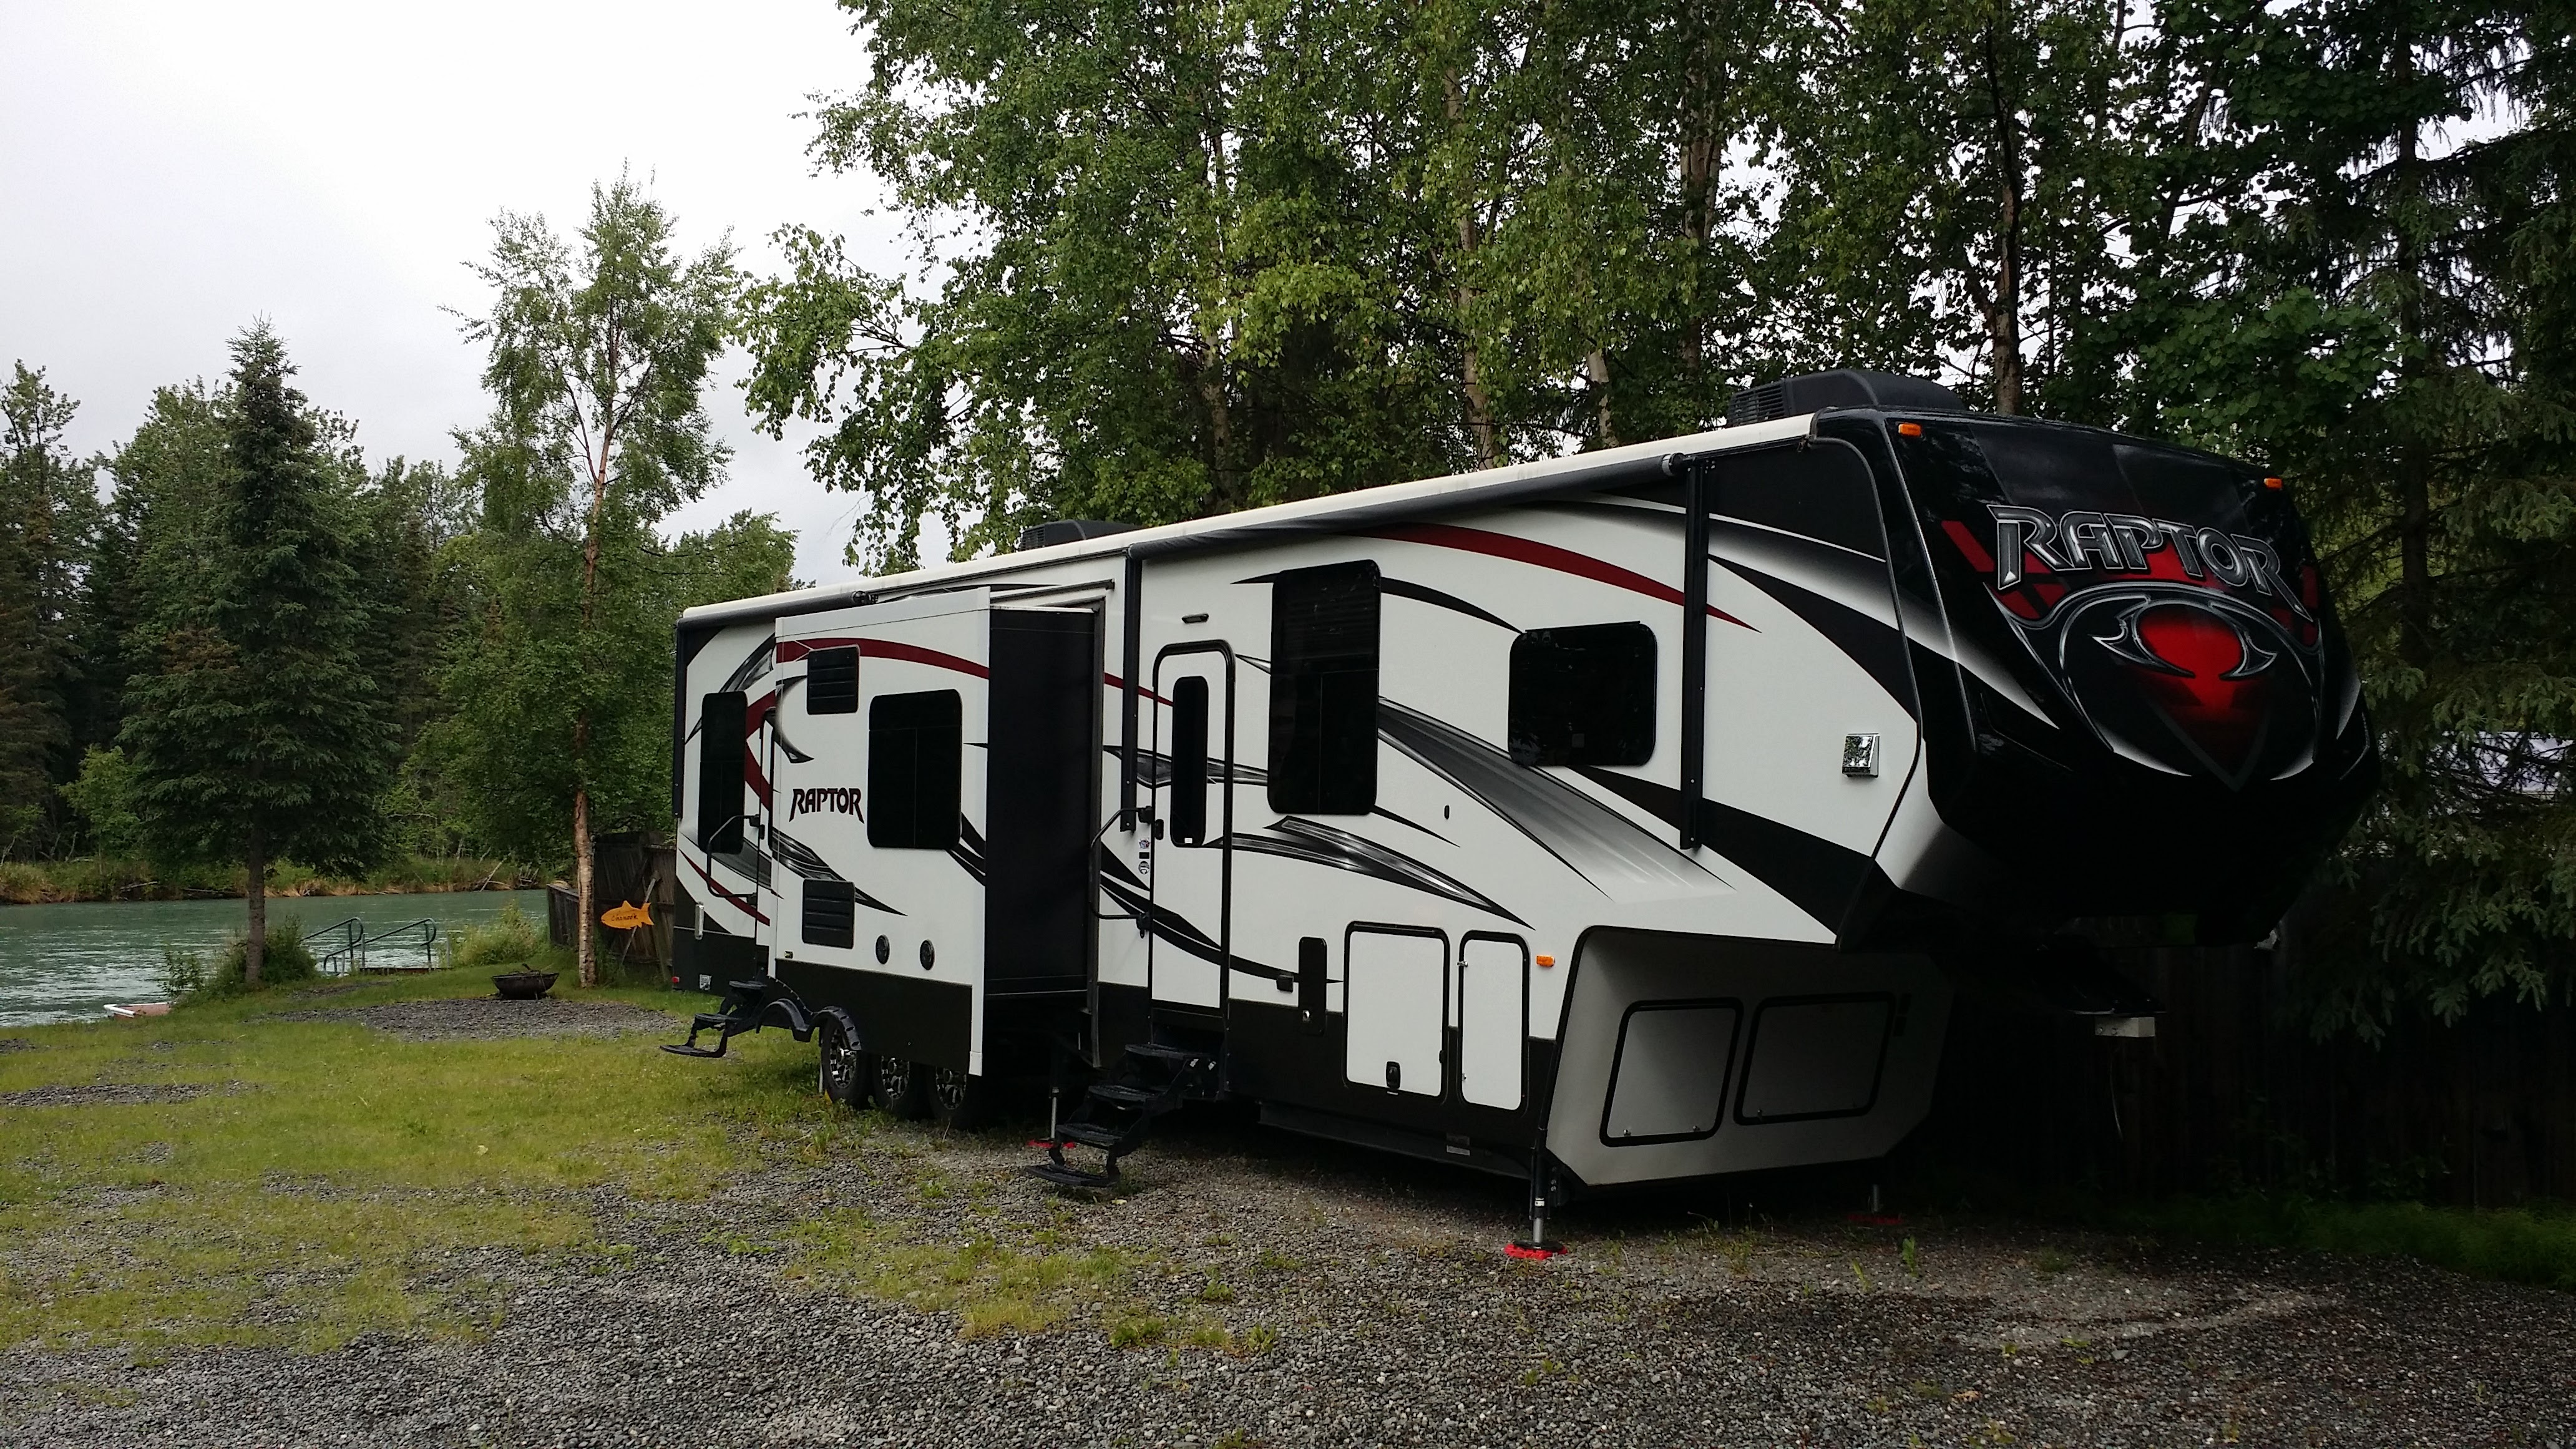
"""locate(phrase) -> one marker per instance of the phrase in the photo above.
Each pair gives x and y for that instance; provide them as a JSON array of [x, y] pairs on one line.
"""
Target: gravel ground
[[491, 1016], [1366, 1301], [102, 1094]]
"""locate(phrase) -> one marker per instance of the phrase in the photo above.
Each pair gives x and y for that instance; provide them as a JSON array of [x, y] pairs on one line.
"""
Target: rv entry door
[[1193, 824]]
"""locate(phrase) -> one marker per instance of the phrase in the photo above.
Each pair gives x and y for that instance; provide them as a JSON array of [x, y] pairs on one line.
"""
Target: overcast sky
[[169, 171]]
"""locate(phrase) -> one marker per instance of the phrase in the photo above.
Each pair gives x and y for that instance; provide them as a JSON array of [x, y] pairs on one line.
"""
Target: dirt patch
[[102, 1094], [491, 1017], [16, 1044]]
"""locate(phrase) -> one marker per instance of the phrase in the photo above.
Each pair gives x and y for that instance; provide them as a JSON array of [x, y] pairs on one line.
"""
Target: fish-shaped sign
[[628, 916]]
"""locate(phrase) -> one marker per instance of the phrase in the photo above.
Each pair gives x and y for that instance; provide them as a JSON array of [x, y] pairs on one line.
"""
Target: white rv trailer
[[1618, 817]]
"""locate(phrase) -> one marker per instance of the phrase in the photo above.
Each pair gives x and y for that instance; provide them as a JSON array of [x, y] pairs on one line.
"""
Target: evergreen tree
[[254, 729], [47, 514], [596, 363]]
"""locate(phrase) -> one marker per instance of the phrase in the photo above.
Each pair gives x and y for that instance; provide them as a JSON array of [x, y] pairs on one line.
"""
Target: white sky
[[169, 171]]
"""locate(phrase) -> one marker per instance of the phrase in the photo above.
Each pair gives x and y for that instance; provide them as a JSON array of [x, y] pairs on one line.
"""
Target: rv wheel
[[903, 1088], [845, 1070], [958, 1099]]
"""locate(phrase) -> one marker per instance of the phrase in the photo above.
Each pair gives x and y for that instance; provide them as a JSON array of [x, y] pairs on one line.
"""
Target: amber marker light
[[2274, 484], [1909, 430], [1547, 960]]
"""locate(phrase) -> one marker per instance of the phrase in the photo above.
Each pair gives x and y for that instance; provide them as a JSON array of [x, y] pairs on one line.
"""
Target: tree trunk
[[1596, 368], [2414, 466], [1480, 399], [2003, 316], [582, 888], [255, 950]]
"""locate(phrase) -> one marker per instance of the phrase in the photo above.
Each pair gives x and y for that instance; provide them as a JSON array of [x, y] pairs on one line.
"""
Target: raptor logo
[[2188, 649]]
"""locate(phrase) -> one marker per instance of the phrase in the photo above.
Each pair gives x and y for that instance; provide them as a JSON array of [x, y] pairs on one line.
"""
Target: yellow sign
[[628, 916]]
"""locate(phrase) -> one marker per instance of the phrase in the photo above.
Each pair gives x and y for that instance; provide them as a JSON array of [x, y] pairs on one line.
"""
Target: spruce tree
[[47, 512], [255, 731]]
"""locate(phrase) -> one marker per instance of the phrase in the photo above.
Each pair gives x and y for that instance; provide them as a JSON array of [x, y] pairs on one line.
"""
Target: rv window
[[914, 747], [1323, 690], [832, 681], [1189, 760], [721, 752], [1584, 696]]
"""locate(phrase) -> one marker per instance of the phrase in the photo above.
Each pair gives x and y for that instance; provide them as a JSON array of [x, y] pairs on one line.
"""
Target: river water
[[63, 963]]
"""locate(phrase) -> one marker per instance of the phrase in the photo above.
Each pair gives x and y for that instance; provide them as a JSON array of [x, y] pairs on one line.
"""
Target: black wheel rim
[[950, 1087], [894, 1079], [840, 1065]]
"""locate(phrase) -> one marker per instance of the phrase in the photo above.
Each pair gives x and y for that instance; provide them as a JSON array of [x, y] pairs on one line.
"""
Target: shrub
[[185, 976], [508, 939]]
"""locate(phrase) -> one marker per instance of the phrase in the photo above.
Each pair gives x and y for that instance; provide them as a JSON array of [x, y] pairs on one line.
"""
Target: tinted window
[[1323, 690], [1584, 696], [1190, 760], [914, 746], [832, 681], [721, 729]]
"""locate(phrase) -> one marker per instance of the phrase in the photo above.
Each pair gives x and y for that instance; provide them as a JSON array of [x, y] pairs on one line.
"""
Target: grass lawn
[[318, 1183]]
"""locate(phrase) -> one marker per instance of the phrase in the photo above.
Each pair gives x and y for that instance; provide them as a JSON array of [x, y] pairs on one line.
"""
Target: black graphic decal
[[1123, 887], [1872, 645], [805, 861], [1595, 841], [1296, 838], [969, 849], [1817, 876]]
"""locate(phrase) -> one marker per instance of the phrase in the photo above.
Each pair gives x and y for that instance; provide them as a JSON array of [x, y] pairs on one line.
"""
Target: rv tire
[[903, 1088], [959, 1101], [844, 1072]]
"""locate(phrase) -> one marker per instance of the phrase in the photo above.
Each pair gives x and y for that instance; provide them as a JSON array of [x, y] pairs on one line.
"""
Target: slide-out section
[[1689, 1055]]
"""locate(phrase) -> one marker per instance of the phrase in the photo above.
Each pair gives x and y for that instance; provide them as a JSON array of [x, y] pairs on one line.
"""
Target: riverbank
[[59, 882], [384, 1214]]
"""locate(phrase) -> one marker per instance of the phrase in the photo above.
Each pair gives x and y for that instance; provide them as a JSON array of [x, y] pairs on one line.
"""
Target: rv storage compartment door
[[1493, 1019], [1394, 1001]]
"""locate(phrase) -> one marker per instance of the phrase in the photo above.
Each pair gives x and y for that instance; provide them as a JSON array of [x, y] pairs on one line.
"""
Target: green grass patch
[[2515, 1245], [992, 1287], [328, 1174]]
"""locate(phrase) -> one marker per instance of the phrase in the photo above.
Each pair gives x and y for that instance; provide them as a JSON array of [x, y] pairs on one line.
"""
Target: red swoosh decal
[[1544, 555], [794, 649]]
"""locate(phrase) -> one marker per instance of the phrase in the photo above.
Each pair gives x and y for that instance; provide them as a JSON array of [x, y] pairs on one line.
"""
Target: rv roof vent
[[1848, 388], [1070, 530]]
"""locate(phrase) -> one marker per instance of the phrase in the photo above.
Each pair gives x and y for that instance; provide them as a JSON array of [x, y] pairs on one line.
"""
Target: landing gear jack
[[1537, 1245]]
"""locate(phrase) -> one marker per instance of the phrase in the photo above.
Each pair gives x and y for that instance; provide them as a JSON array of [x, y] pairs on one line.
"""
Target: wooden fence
[[2234, 1092]]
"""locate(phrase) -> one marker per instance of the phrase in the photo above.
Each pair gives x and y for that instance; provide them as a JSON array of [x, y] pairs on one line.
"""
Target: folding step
[[1092, 1134], [692, 1049], [1175, 1056], [1134, 1099], [1064, 1175]]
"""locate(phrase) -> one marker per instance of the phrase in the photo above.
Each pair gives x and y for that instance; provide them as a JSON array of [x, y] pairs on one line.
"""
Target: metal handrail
[[352, 955]]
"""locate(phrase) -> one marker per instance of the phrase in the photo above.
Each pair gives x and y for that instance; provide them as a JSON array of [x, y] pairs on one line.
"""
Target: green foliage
[[103, 797], [186, 979], [558, 685], [47, 515], [182, 976], [255, 729], [508, 939]]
